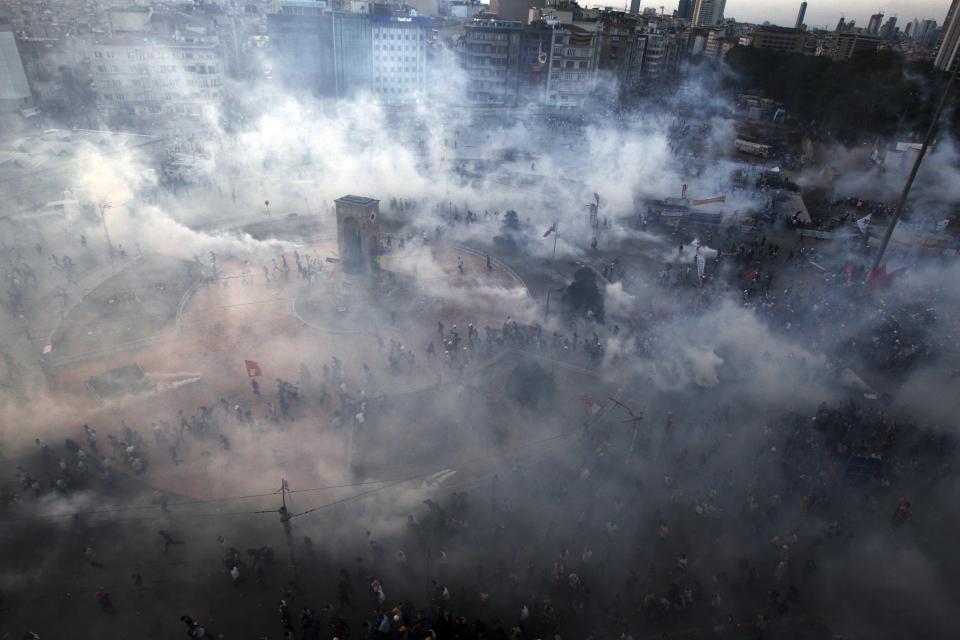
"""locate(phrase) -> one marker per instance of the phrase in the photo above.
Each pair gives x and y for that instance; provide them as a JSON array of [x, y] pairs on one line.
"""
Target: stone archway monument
[[358, 233]]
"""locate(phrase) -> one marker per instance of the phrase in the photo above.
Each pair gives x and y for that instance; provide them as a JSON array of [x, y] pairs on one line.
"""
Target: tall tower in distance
[[708, 13], [800, 15]]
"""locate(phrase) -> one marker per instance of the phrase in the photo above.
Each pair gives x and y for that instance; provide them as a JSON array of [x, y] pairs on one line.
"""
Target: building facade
[[708, 13], [301, 47], [779, 39], [490, 57], [946, 56], [399, 58], [573, 65], [145, 81], [845, 45], [352, 53]]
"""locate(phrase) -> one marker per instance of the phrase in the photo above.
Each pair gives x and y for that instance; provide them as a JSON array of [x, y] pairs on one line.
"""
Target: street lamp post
[[553, 260], [106, 234]]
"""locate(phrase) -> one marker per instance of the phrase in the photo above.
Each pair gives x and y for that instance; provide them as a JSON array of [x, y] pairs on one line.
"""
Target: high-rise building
[[685, 9], [841, 26], [800, 15], [911, 29], [536, 45], [889, 28], [928, 28], [946, 56], [352, 53], [490, 58], [873, 27], [634, 7], [301, 46], [399, 57], [573, 65], [708, 13]]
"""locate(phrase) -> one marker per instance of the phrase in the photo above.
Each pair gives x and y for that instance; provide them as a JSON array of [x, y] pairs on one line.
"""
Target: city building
[[889, 28], [800, 15], [779, 39], [873, 26], [685, 9], [634, 7], [927, 31], [301, 47], [352, 53], [845, 45], [708, 13], [911, 29], [490, 57], [573, 63], [631, 68], [515, 10], [399, 57], [143, 81], [536, 45], [946, 56]]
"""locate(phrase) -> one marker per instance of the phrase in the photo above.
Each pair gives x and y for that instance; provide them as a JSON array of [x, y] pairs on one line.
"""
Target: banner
[[709, 200], [253, 369]]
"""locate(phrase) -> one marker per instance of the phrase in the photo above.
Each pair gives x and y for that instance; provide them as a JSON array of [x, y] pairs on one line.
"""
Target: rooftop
[[358, 200]]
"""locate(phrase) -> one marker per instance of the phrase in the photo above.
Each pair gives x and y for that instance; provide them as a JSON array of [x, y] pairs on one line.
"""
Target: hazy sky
[[819, 13]]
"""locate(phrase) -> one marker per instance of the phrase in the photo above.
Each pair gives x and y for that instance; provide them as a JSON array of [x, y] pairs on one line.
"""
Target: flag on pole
[[596, 196], [552, 228], [863, 223], [253, 369]]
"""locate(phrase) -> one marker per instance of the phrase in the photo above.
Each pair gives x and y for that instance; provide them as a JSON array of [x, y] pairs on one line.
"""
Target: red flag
[[596, 196], [253, 369], [552, 228]]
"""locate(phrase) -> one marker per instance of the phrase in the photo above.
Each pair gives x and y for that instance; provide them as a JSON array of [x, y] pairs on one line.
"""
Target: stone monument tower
[[358, 233]]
